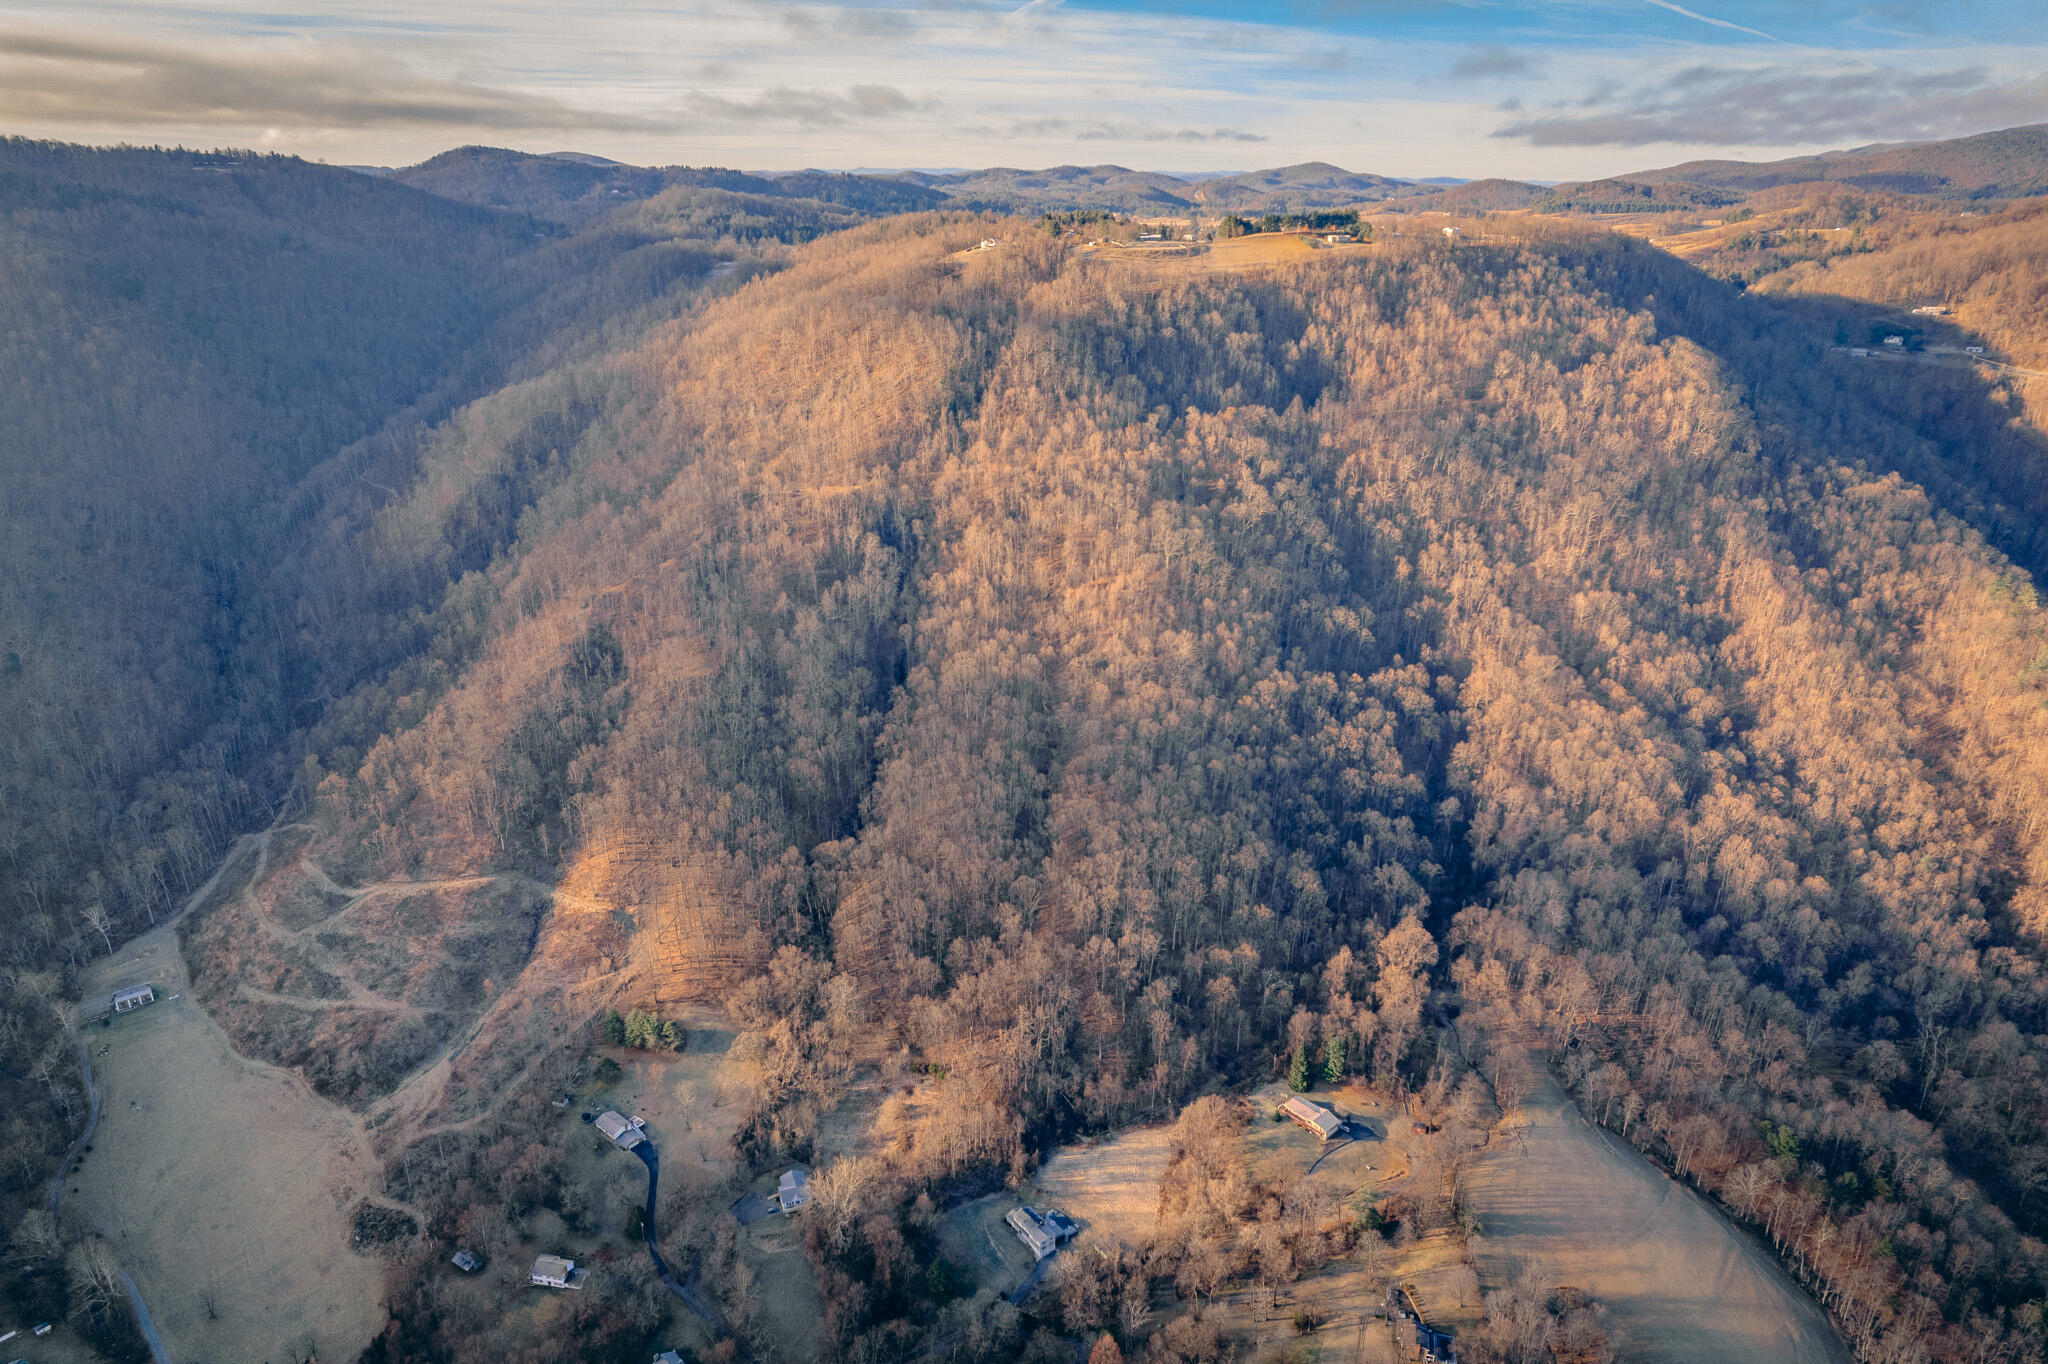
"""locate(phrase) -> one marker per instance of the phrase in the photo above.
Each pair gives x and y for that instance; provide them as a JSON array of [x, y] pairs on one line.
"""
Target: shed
[[1314, 1117], [623, 1131], [134, 997], [793, 1190], [466, 1261], [552, 1271]]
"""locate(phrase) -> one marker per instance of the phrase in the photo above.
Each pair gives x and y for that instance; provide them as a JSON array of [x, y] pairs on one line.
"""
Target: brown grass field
[[215, 1175], [1681, 1285]]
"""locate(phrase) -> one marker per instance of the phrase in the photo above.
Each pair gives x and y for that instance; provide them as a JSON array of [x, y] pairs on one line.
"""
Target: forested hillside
[[581, 191], [213, 361], [1092, 682], [1105, 683], [2005, 163]]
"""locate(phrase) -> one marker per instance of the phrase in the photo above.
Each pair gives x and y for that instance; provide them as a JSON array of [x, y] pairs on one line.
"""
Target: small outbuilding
[[134, 997], [1314, 1117], [668, 1357], [622, 1131], [553, 1271], [1973, 350], [793, 1190], [466, 1261]]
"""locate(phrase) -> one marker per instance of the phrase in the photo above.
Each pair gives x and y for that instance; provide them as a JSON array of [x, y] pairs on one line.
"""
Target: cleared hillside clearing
[[213, 1175], [1681, 1285], [1110, 1186]]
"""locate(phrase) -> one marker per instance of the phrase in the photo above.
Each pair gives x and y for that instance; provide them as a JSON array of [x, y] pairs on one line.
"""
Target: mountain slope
[[1090, 687], [2003, 164], [580, 191]]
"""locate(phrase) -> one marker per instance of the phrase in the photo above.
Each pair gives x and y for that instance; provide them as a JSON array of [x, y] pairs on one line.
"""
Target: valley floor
[[224, 1185]]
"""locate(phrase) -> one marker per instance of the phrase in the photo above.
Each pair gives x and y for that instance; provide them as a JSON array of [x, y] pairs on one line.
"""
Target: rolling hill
[[2008, 163], [581, 190]]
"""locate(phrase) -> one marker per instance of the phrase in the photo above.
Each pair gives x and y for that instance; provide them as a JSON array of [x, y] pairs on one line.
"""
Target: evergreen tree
[[613, 1027], [1333, 1061], [1297, 1070]]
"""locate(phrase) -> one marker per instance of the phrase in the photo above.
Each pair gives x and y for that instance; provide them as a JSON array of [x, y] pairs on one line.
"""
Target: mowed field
[[217, 1177], [1681, 1285]]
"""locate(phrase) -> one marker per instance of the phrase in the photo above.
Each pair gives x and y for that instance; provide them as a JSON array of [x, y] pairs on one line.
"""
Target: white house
[[552, 1271], [624, 1131], [1897, 341], [134, 997], [793, 1190], [1036, 1238]]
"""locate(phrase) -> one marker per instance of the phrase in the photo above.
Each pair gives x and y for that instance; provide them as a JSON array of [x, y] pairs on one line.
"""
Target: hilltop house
[[134, 997], [622, 1131], [552, 1271], [1314, 1117]]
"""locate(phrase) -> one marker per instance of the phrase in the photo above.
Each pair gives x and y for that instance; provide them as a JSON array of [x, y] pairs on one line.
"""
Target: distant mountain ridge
[[576, 189], [2008, 163], [1311, 184]]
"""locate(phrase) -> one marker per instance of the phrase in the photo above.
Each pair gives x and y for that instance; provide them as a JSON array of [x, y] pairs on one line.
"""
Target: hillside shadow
[[1957, 433]]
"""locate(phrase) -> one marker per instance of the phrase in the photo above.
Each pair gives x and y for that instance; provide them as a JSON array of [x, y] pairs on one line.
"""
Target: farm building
[[793, 1190], [466, 1261], [552, 1271], [1420, 1342], [1041, 1233], [1314, 1117], [623, 1131], [134, 997], [1338, 238]]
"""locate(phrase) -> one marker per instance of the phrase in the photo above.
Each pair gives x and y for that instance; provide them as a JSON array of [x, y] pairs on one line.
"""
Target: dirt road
[[1682, 1286]]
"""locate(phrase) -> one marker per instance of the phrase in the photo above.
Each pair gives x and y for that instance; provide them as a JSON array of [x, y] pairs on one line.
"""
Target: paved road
[[1945, 357], [651, 1158], [143, 1319]]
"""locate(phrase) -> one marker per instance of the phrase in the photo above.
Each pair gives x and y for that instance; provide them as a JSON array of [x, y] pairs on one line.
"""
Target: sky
[[1529, 89]]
